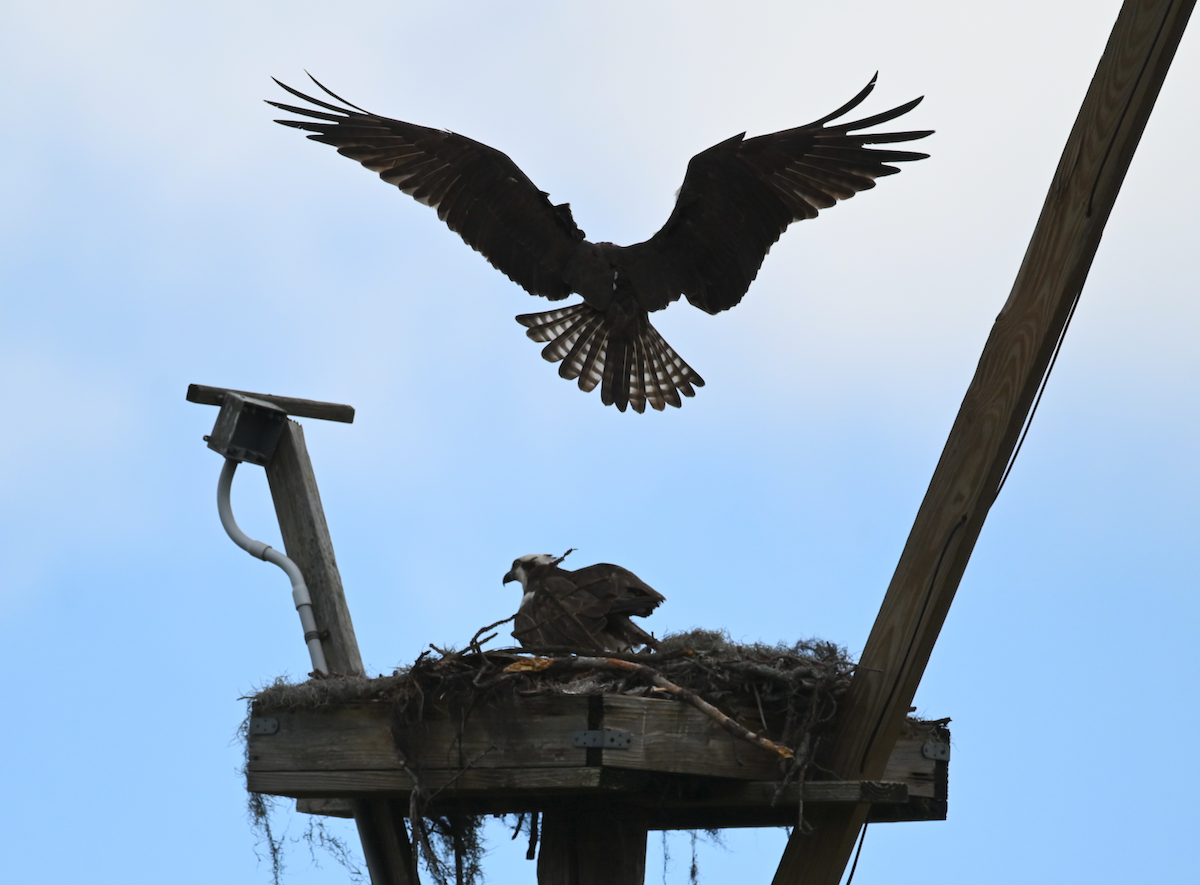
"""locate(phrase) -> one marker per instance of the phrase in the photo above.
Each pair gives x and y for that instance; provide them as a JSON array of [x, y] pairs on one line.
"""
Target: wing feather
[[479, 192], [740, 195]]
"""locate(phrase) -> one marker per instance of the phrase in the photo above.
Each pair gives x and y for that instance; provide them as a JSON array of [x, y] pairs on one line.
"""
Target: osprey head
[[523, 565]]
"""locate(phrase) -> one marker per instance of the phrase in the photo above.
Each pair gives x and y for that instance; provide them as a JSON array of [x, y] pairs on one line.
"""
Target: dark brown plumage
[[587, 609], [736, 200]]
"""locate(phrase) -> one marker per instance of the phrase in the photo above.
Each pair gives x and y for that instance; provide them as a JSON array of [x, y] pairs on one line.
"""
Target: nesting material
[[784, 693]]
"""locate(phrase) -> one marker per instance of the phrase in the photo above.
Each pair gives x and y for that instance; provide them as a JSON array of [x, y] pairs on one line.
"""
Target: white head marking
[[522, 564]]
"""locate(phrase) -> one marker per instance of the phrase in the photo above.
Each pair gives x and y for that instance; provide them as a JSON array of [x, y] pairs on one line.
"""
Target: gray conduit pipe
[[266, 553]]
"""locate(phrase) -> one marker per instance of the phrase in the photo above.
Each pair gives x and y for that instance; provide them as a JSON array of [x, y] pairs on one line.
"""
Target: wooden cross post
[[994, 411], [308, 544], [590, 842]]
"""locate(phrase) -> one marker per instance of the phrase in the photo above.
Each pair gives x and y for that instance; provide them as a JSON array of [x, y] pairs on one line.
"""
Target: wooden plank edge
[[661, 791], [684, 817], [331, 807], [297, 408], [387, 782]]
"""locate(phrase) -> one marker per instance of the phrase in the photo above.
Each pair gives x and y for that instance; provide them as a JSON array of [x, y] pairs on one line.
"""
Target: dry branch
[[649, 674]]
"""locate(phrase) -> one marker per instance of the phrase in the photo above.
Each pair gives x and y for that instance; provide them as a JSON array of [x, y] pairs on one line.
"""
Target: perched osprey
[[737, 198], [585, 609]]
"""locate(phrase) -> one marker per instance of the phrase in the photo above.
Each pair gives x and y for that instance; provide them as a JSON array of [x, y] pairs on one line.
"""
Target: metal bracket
[[247, 429], [939, 751], [263, 725], [607, 739]]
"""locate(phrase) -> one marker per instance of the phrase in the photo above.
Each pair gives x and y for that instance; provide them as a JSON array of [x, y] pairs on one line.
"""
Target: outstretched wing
[[739, 196], [479, 192]]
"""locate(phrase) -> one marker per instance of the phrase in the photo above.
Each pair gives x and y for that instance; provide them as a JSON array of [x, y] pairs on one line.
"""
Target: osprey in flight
[[737, 198], [584, 609]]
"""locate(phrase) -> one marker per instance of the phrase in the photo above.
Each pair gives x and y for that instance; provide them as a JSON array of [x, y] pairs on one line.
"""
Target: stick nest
[[785, 691], [778, 697]]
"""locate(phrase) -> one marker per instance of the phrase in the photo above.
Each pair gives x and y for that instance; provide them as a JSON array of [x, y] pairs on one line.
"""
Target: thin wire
[[1041, 390], [962, 520], [854, 866]]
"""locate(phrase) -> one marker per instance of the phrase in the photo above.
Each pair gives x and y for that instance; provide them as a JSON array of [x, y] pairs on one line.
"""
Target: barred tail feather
[[614, 390], [642, 386], [629, 361], [681, 376], [585, 359], [552, 324], [590, 369], [660, 394]]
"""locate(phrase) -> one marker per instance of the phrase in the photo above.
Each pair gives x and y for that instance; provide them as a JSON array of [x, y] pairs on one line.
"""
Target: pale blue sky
[[158, 230]]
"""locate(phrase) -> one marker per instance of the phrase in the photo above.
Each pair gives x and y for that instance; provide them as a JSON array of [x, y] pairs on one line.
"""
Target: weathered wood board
[[672, 737], [520, 756], [534, 733]]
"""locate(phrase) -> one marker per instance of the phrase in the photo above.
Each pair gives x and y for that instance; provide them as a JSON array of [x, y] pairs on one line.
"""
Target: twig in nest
[[487, 638], [758, 699], [485, 669], [659, 681], [656, 657], [474, 644]]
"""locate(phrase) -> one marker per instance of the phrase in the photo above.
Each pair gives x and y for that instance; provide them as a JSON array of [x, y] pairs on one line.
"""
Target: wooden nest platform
[[702, 734]]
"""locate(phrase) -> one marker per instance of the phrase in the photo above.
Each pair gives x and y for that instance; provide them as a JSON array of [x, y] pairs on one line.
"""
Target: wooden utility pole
[[593, 843], [308, 544], [997, 403], [307, 541]]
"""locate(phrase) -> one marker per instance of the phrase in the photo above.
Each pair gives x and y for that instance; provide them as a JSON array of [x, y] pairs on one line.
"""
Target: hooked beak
[[509, 577]]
